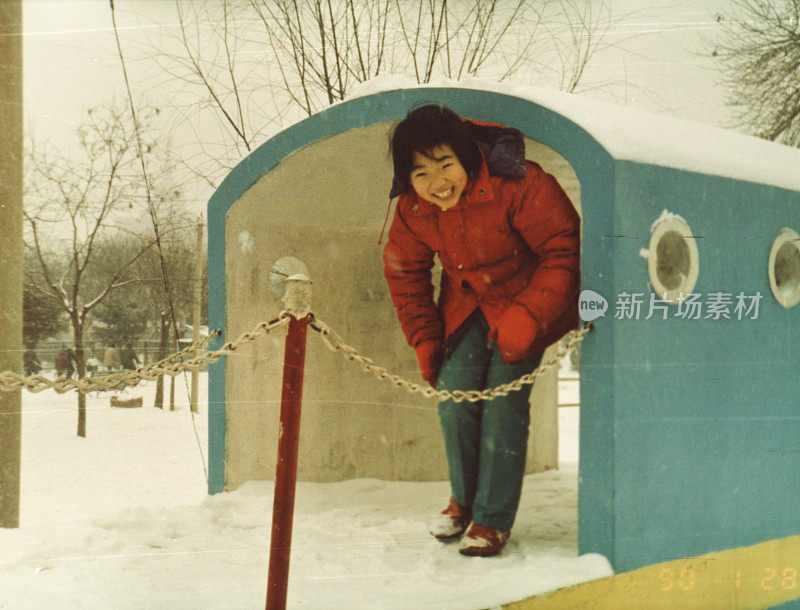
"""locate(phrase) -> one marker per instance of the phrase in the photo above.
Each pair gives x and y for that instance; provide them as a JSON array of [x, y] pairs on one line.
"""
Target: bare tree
[[259, 64], [41, 318], [76, 210], [130, 310], [584, 28], [759, 53], [210, 39]]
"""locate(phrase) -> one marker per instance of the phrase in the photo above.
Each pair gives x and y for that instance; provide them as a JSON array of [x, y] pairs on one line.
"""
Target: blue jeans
[[486, 441]]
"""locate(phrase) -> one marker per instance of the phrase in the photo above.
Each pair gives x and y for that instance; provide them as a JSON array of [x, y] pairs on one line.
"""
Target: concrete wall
[[11, 253], [325, 204]]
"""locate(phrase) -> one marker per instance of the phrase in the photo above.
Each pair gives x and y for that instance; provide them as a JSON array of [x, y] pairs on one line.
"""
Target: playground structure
[[327, 208], [689, 431]]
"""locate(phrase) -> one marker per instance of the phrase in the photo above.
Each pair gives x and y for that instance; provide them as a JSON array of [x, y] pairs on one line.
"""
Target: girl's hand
[[429, 356], [515, 333]]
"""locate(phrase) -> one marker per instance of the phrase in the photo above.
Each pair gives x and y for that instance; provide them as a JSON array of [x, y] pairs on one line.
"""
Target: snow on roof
[[645, 137]]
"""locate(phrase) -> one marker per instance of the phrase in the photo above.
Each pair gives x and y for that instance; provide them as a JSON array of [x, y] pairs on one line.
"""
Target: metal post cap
[[286, 268]]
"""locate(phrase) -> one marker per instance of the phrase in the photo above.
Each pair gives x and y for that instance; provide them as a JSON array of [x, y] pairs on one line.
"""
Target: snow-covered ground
[[121, 519]]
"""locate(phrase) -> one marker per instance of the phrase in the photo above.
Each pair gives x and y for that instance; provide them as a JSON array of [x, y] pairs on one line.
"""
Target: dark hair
[[425, 128]]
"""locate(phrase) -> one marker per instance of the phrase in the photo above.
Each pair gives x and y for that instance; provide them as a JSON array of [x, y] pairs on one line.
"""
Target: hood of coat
[[503, 151]]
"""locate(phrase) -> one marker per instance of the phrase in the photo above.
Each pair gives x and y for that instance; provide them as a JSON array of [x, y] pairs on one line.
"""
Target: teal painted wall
[[707, 429]]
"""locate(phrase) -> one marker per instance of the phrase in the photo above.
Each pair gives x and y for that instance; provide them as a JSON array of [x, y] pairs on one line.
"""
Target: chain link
[[335, 343], [171, 365], [174, 364]]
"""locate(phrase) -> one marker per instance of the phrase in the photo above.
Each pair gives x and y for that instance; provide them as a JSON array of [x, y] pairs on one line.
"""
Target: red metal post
[[286, 470]]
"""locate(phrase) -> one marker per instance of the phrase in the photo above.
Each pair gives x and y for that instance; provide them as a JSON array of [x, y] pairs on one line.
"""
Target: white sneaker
[[483, 541], [451, 522]]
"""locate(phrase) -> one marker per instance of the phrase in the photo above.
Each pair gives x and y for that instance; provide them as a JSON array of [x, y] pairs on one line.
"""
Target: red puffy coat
[[506, 241]]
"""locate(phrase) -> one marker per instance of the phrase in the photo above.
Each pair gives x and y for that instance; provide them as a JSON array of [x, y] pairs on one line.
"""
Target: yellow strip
[[759, 576]]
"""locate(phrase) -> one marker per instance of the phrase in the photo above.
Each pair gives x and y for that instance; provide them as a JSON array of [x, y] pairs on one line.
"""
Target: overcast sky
[[660, 62]]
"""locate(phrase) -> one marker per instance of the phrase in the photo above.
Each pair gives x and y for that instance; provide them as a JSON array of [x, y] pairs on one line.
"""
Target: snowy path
[[121, 519]]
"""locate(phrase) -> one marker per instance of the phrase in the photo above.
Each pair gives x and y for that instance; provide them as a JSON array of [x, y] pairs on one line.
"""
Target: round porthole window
[[784, 268], [672, 260]]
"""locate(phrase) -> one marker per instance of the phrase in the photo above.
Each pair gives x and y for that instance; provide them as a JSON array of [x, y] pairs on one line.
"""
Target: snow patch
[[636, 135], [247, 242], [666, 215], [112, 521]]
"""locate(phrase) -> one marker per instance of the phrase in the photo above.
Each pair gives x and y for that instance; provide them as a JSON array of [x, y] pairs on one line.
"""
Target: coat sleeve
[[407, 267], [548, 222]]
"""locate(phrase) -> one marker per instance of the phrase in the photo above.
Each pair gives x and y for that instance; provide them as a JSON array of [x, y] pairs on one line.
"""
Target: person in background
[[508, 239], [111, 358], [128, 358], [31, 362], [61, 362], [71, 362]]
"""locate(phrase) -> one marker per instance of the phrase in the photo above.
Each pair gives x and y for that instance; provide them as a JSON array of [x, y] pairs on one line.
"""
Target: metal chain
[[171, 365], [174, 364], [336, 344]]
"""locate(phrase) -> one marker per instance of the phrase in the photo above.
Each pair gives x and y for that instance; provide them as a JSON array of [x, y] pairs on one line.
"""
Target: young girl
[[508, 239]]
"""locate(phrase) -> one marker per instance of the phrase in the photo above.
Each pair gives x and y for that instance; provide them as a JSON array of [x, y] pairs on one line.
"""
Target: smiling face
[[438, 176]]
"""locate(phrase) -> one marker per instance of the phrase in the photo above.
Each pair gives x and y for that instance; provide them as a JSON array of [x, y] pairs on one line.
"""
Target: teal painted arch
[[592, 164]]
